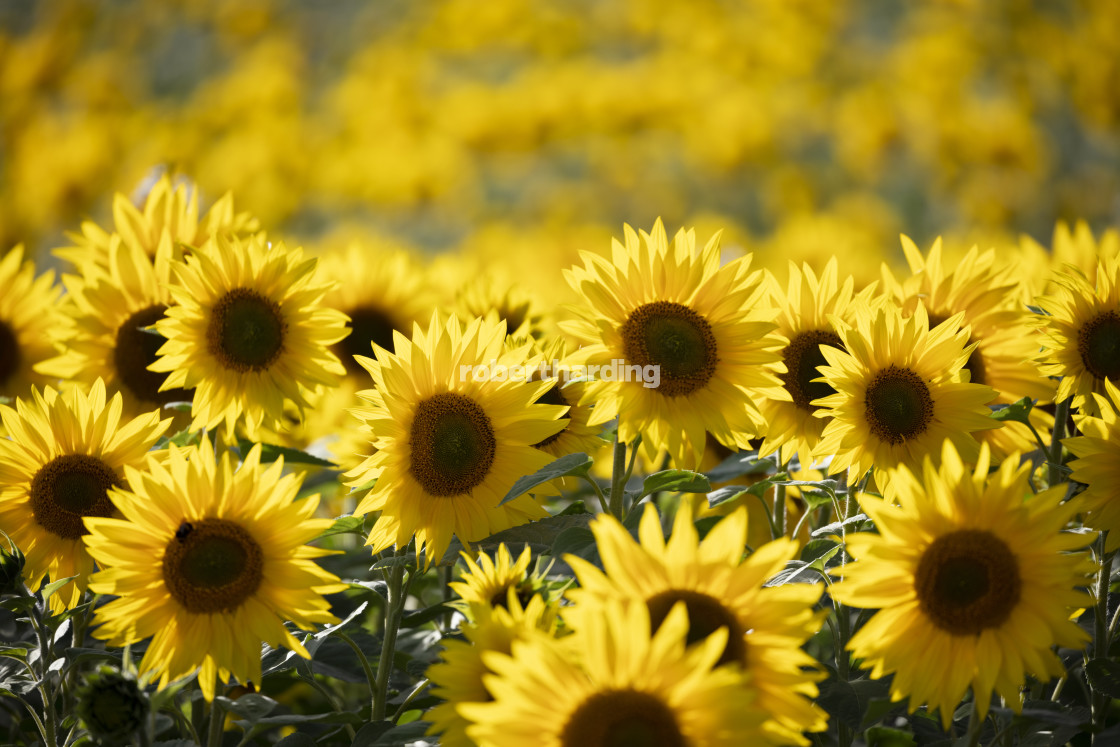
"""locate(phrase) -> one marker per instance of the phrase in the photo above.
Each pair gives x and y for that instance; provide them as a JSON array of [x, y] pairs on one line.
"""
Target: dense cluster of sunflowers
[[783, 511]]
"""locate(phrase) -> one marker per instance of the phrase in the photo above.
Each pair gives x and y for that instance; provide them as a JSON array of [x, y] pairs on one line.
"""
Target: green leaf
[[272, 452], [48, 591], [575, 508], [725, 494], [679, 480], [795, 572], [19, 654], [344, 525], [836, 526], [746, 463], [566, 466], [574, 540], [251, 707], [885, 736], [819, 548], [1104, 676], [426, 615], [1018, 412]]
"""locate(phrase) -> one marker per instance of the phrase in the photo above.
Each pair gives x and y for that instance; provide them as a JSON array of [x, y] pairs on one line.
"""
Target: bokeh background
[[522, 130]]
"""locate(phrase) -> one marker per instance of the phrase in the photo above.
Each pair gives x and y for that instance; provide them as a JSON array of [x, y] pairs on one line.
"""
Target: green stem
[[38, 616], [779, 524], [393, 610], [618, 480], [371, 679], [975, 724], [598, 491], [217, 724], [420, 687], [1100, 701], [1054, 457]]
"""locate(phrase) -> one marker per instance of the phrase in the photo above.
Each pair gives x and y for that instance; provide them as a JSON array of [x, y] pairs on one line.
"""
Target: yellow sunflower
[[1098, 464], [169, 217], [28, 316], [805, 308], [249, 332], [485, 297], [615, 680], [62, 455], [210, 561], [490, 581], [766, 625], [683, 344], [112, 308], [998, 323], [1081, 333], [974, 581], [578, 436], [900, 392], [450, 438], [458, 677]]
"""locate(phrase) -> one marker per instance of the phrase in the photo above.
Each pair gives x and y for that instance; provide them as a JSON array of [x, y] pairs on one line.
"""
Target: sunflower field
[[559, 373]]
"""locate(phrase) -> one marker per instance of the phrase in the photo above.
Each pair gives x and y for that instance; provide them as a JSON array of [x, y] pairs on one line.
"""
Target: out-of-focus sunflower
[[973, 579], [63, 454], [1034, 263], [210, 561], [615, 680], [484, 297], [804, 311], [998, 323], [112, 308], [900, 392], [450, 439], [458, 676], [1081, 333], [766, 625], [666, 309], [28, 317], [1098, 464], [169, 217], [490, 581], [566, 391], [249, 332]]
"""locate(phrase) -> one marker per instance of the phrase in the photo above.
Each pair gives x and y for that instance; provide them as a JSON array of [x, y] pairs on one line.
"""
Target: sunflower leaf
[[344, 525], [679, 480], [745, 463], [1104, 676], [1018, 412], [272, 452], [251, 707], [49, 590], [572, 465]]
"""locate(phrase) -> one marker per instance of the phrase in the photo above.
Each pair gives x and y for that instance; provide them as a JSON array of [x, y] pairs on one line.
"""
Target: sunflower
[[390, 297], [1081, 333], [28, 315], [900, 392], [458, 677], [249, 331], [169, 218], [111, 310], [973, 579], [766, 625], [615, 680], [998, 323], [1098, 464], [485, 297], [210, 561], [63, 454], [666, 309], [578, 436], [449, 438], [805, 309], [489, 582]]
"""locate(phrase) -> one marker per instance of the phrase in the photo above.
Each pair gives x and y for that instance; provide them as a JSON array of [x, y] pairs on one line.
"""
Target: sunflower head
[[29, 318], [452, 428], [111, 705], [1097, 450], [974, 566], [248, 332], [677, 345]]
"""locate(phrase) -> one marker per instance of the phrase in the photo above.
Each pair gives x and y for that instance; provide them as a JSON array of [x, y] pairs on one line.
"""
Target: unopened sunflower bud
[[11, 570], [112, 706]]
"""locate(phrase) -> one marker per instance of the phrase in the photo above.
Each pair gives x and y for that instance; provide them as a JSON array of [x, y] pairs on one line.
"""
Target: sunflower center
[[622, 718], [246, 331], [1099, 344], [553, 397], [212, 565], [676, 339], [706, 615], [967, 581], [898, 405], [136, 350], [451, 443], [68, 488], [523, 591], [802, 357], [368, 324], [9, 353]]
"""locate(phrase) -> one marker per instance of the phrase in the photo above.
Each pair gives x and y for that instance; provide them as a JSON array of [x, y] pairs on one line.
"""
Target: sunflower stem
[[1054, 457], [618, 481], [371, 678], [779, 524], [217, 722], [1100, 630], [603, 505], [975, 724], [38, 616], [393, 610]]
